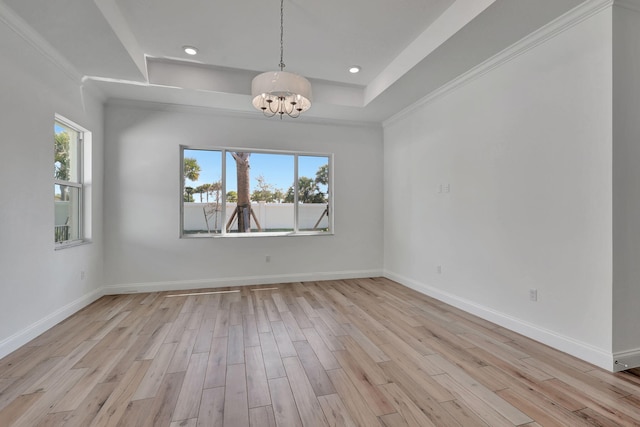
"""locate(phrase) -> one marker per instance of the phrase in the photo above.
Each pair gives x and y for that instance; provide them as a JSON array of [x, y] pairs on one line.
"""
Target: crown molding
[[39, 43], [547, 32], [223, 112]]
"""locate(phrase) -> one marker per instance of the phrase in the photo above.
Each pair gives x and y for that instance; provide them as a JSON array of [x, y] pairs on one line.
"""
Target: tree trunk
[[244, 196]]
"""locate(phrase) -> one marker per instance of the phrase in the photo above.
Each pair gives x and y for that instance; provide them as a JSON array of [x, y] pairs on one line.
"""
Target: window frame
[[223, 170], [80, 152]]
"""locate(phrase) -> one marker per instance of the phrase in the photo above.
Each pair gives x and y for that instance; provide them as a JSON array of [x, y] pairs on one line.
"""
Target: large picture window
[[234, 192], [68, 182]]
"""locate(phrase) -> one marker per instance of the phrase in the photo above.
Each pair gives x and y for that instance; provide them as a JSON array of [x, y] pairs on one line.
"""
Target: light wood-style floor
[[365, 352]]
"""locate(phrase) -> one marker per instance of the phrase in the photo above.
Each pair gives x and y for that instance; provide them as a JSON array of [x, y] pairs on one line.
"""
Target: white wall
[[38, 285], [527, 152], [142, 201], [626, 185]]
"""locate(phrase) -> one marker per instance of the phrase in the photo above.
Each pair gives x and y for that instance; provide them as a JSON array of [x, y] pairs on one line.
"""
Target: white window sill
[[256, 234], [71, 244]]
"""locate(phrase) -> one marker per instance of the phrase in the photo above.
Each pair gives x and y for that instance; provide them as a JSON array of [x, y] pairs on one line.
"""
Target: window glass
[[67, 158], [255, 184], [260, 192], [68, 182], [67, 213], [202, 192], [313, 193]]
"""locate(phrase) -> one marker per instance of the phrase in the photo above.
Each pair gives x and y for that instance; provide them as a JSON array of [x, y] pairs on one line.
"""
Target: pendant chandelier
[[281, 92]]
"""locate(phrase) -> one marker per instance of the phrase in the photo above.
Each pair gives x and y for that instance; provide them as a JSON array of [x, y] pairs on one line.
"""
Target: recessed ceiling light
[[354, 69], [190, 50]]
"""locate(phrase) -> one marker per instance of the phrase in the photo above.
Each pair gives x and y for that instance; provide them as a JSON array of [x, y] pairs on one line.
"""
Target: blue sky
[[277, 169]]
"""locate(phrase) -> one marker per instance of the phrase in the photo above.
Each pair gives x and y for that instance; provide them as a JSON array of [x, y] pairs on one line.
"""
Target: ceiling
[[132, 49]]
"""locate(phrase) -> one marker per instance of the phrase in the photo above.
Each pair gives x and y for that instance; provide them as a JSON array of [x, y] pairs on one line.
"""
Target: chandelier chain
[[282, 35], [277, 93]]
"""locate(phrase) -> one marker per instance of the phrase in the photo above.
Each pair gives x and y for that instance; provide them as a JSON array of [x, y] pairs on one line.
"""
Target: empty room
[[303, 213]]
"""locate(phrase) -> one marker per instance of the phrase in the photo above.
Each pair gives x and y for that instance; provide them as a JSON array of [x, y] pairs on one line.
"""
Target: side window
[[68, 182], [248, 192]]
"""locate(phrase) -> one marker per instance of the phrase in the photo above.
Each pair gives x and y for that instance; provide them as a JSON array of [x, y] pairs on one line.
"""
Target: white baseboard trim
[[180, 285], [22, 337], [581, 350], [626, 360]]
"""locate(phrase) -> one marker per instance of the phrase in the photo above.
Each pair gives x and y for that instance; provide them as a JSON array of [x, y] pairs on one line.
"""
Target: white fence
[[271, 216], [65, 225]]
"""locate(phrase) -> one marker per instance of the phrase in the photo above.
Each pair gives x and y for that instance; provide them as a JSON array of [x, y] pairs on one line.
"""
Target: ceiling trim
[[116, 20], [39, 43], [452, 20], [561, 24], [224, 112]]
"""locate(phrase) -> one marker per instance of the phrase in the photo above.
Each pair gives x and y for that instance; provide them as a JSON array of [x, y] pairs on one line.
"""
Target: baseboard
[[236, 281], [22, 337], [616, 362], [568, 345], [626, 360]]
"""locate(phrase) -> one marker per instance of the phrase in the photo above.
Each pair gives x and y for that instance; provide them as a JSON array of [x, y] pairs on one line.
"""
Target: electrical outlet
[[267, 258], [533, 295], [82, 275], [439, 269]]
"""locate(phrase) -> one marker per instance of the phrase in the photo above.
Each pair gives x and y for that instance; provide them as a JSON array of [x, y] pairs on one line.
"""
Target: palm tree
[[62, 162], [243, 209], [214, 188], [190, 171], [199, 190], [208, 190]]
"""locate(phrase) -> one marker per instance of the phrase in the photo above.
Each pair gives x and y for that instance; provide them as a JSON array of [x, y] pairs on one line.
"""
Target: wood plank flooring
[[362, 352]]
